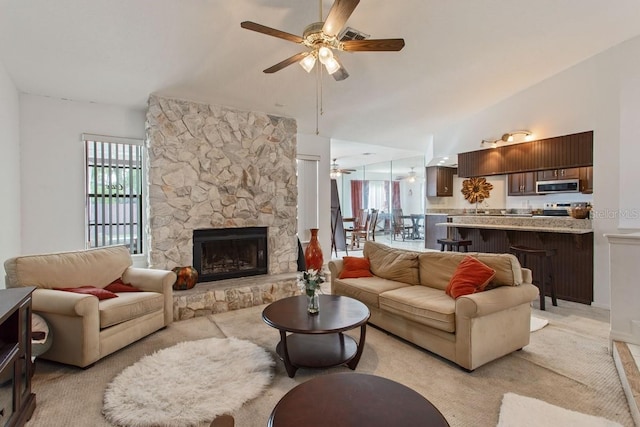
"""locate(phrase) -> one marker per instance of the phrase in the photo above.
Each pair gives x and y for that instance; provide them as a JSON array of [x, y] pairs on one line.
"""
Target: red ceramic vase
[[313, 254]]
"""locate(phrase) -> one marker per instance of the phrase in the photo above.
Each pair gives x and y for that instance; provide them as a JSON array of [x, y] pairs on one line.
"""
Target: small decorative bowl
[[579, 213]]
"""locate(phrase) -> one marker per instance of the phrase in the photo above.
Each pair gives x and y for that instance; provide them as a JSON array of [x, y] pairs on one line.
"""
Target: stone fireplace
[[214, 167], [225, 253]]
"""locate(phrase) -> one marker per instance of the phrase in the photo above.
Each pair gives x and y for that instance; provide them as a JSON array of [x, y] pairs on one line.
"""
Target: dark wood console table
[[17, 403]]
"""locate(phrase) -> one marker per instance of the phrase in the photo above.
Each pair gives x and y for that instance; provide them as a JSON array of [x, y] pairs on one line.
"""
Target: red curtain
[[395, 202], [356, 196]]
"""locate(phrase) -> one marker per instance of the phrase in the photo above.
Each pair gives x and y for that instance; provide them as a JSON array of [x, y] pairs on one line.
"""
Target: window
[[113, 187]]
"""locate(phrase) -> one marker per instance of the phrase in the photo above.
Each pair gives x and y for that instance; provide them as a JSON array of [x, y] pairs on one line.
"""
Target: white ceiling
[[461, 56]]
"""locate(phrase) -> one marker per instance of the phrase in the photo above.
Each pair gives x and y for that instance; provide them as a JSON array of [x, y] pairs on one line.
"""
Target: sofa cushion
[[470, 277], [95, 267], [119, 286], [421, 304], [354, 267], [129, 305], [90, 290], [391, 263], [437, 268], [366, 289]]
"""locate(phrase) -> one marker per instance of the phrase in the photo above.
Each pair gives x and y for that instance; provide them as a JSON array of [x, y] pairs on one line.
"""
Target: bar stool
[[453, 243], [546, 269]]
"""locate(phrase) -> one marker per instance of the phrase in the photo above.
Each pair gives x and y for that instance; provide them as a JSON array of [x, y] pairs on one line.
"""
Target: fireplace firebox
[[226, 253]]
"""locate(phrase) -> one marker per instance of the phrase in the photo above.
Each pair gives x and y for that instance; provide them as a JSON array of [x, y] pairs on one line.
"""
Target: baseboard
[[629, 377]]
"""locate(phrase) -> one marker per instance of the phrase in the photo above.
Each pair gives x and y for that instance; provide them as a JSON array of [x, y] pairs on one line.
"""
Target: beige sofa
[[84, 329], [406, 296]]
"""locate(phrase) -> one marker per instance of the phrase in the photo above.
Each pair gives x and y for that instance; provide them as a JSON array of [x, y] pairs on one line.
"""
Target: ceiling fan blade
[[373, 45], [341, 73], [270, 31], [291, 60], [338, 15]]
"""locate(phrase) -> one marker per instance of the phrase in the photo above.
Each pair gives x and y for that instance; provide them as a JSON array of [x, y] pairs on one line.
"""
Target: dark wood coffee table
[[317, 341], [354, 400]]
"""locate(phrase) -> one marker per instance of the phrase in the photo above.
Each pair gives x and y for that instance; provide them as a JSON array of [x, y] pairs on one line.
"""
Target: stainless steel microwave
[[559, 186]]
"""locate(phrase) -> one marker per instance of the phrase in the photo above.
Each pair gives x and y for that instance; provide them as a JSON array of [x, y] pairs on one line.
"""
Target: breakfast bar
[[571, 238]]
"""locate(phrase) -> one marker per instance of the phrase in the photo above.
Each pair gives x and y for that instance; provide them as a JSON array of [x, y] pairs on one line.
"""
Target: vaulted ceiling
[[461, 56]]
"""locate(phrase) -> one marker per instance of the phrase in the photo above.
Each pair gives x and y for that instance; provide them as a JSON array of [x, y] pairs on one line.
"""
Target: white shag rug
[[537, 323], [189, 383], [521, 411]]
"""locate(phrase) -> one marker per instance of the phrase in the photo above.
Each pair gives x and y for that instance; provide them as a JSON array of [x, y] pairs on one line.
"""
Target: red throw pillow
[[354, 267], [471, 276], [119, 286], [90, 290]]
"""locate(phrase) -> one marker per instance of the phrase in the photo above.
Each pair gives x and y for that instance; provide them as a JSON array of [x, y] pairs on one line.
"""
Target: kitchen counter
[[543, 224], [571, 238]]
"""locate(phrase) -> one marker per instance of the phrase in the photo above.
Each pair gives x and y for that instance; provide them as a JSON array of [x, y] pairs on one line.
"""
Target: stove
[[560, 208]]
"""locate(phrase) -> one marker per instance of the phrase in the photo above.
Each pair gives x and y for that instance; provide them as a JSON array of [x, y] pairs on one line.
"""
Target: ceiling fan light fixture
[[308, 62], [335, 174], [412, 176], [325, 54], [332, 65]]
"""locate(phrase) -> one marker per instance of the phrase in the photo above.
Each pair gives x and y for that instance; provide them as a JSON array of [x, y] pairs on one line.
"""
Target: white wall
[[585, 97], [314, 145], [9, 169], [52, 166]]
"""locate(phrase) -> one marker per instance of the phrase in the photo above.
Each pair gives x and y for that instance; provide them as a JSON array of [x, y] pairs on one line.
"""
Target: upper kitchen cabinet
[[481, 163], [440, 181], [562, 152], [553, 174], [586, 179], [522, 184]]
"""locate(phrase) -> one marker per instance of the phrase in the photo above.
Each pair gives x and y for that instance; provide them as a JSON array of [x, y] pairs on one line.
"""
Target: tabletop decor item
[[311, 281], [187, 277], [313, 253]]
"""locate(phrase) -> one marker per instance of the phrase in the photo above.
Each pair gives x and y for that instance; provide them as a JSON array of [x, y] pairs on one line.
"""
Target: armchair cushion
[[90, 290], [119, 286], [130, 305], [69, 269]]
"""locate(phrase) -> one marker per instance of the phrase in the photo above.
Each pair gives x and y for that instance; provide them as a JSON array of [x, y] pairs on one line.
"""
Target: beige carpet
[[567, 364], [529, 412]]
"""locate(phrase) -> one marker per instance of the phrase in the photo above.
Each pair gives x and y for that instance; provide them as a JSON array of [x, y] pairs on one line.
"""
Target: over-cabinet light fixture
[[508, 137]]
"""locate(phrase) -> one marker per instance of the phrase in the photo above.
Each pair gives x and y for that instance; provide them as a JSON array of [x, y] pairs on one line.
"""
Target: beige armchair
[[84, 329]]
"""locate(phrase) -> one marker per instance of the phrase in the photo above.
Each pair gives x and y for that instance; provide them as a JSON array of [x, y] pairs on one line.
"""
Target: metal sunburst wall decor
[[475, 190]]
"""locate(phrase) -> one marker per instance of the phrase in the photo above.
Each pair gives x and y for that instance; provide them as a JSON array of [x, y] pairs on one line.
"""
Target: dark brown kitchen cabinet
[[562, 152], [553, 174], [440, 181], [481, 162], [522, 184], [586, 179]]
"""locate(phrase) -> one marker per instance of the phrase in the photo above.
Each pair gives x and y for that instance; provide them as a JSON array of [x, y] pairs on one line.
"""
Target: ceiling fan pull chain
[[317, 99]]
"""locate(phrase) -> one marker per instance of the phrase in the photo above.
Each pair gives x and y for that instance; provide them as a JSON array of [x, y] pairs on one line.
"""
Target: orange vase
[[313, 254]]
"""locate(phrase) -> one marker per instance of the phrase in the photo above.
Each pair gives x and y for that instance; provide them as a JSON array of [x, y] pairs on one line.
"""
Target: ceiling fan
[[322, 39], [336, 171], [410, 177]]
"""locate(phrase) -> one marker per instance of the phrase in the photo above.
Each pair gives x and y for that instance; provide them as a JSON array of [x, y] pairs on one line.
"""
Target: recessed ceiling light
[[368, 154]]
